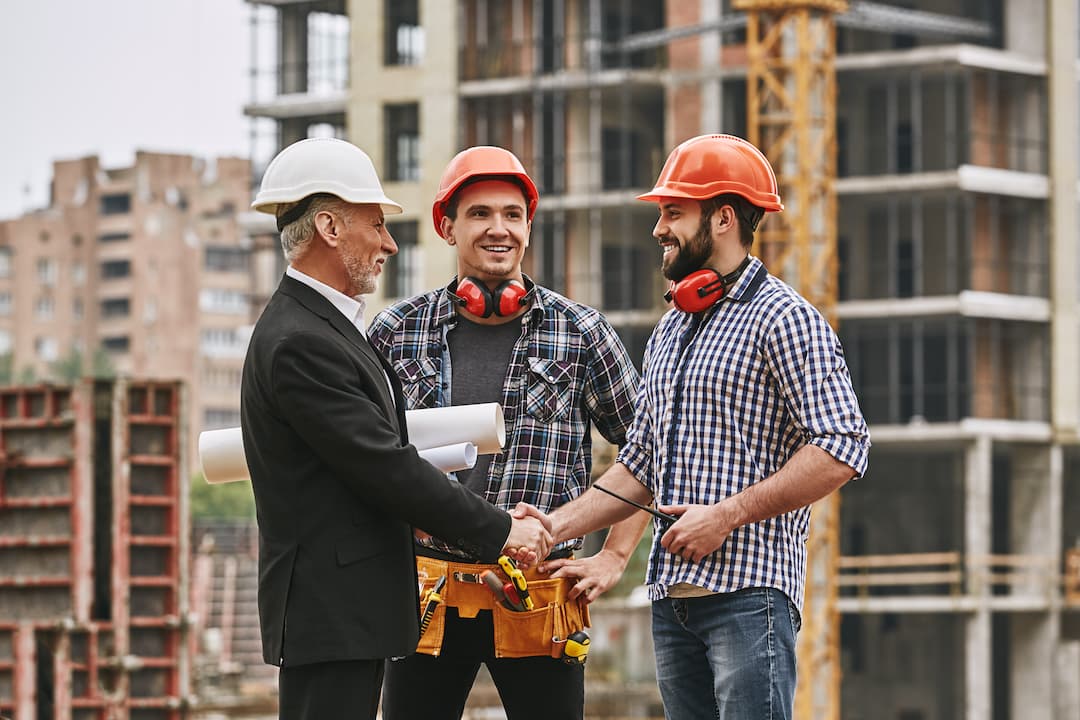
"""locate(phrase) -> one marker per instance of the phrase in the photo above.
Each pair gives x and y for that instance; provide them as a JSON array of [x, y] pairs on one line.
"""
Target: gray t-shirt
[[479, 358]]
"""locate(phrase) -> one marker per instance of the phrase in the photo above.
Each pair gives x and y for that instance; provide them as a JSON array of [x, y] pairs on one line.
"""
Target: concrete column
[[1064, 216], [711, 96], [1035, 529], [292, 49], [1067, 681], [978, 634], [1034, 639]]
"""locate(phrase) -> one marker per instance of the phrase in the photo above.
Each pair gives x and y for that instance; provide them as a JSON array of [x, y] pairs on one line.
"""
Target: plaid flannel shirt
[[568, 370], [728, 396]]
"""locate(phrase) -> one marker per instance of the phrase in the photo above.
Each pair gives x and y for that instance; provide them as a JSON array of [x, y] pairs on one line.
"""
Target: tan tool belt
[[540, 631]]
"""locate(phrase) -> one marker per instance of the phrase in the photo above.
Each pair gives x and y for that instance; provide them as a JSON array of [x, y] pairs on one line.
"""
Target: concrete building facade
[[958, 149], [140, 272]]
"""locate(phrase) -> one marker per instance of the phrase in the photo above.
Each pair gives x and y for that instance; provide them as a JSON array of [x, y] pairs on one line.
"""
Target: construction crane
[[791, 116]]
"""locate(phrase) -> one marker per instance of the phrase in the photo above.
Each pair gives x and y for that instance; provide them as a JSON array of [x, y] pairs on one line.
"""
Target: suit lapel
[[320, 306]]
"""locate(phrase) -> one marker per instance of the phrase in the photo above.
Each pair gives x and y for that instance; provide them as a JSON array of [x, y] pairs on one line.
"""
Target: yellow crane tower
[[791, 116]]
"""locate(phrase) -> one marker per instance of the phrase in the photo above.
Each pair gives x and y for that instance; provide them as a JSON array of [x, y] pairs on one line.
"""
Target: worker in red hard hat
[[746, 416], [557, 368], [337, 486]]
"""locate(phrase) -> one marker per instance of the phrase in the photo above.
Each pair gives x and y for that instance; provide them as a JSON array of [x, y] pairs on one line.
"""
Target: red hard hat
[[475, 162], [711, 165]]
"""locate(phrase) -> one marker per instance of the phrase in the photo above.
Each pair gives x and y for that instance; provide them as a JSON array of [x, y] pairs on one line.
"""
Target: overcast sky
[[109, 77]]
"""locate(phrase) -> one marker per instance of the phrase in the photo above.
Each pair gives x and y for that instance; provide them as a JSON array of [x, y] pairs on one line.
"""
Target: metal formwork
[[93, 552]]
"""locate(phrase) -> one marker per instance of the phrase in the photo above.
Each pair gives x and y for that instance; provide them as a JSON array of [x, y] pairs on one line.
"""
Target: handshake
[[530, 537]]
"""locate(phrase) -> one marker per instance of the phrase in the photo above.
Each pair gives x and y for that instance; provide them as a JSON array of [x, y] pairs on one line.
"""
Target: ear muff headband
[[504, 300], [703, 288]]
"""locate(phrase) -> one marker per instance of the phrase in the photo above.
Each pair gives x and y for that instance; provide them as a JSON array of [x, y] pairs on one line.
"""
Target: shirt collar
[[351, 307], [748, 283]]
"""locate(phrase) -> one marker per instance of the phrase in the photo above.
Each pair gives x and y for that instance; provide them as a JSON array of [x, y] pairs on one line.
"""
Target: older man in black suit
[[338, 489]]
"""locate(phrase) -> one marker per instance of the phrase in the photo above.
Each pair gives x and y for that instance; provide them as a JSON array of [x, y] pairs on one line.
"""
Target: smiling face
[[683, 236], [365, 244], [490, 230]]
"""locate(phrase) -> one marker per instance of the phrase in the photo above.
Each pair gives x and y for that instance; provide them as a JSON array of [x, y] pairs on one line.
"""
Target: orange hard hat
[[711, 165], [480, 161]]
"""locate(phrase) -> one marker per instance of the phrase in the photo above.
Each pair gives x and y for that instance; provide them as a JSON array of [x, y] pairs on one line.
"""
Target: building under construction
[[956, 286]]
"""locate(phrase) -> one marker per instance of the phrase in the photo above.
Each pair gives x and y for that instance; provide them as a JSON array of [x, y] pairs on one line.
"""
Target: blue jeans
[[726, 657]]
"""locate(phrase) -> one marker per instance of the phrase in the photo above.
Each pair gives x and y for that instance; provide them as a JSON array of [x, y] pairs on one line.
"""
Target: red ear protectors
[[701, 289], [506, 299], [697, 291]]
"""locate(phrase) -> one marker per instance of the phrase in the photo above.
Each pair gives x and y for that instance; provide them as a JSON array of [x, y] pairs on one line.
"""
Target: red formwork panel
[[45, 504], [84, 672], [150, 569], [18, 663], [94, 552]]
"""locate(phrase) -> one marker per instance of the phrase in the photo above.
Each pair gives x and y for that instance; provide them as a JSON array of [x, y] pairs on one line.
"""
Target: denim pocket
[[550, 392], [796, 618]]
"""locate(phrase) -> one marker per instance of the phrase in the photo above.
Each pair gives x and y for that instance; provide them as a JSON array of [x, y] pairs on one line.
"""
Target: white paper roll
[[222, 455], [451, 458], [480, 424]]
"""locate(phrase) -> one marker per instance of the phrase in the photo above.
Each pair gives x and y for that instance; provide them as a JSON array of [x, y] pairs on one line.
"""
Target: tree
[[69, 369], [225, 501]]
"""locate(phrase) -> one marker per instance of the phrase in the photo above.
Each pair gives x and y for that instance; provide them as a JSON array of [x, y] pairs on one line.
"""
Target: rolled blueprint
[[222, 455], [444, 431], [451, 458], [480, 424]]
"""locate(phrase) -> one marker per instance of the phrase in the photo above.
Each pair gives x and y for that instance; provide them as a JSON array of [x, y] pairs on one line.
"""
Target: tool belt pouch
[[543, 630], [537, 632]]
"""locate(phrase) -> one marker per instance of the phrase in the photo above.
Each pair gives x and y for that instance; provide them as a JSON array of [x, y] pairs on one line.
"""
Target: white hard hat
[[320, 165]]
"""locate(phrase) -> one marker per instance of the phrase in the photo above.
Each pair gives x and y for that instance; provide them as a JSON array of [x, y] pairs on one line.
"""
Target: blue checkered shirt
[[729, 395], [567, 370]]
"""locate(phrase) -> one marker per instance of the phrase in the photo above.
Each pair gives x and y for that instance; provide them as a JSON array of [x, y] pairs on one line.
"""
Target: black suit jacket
[[337, 489]]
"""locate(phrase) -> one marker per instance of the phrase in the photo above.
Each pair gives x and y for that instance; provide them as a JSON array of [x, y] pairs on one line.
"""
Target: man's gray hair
[[296, 235]]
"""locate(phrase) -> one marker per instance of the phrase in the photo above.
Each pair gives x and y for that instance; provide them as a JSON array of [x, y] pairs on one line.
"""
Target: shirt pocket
[[549, 394], [419, 381]]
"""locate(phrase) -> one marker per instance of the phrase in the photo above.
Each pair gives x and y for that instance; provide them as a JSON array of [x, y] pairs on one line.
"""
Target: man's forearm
[[625, 535], [595, 510], [808, 476]]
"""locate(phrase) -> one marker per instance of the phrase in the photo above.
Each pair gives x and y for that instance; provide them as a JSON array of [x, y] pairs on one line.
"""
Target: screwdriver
[[496, 586], [432, 600]]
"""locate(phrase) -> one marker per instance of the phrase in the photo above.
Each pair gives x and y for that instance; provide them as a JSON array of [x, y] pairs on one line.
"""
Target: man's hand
[[529, 540], [699, 532], [595, 575]]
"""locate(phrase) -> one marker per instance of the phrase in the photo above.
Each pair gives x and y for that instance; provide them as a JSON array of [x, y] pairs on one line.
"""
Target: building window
[[114, 237], [44, 308], [116, 204], [223, 342], [404, 41], [115, 308], [116, 343], [403, 270], [220, 258], [217, 300], [112, 269], [77, 309], [215, 418], [627, 280], [78, 274], [5, 342], [46, 271], [402, 123], [5, 262], [46, 348], [5, 304], [327, 52]]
